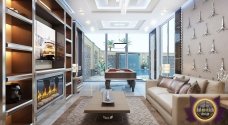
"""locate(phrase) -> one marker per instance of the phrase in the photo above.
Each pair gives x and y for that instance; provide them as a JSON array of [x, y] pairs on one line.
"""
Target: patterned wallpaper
[[205, 37]]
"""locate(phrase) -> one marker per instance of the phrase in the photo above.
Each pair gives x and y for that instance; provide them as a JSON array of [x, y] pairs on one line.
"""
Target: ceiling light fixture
[[146, 29], [117, 1], [88, 22], [153, 22], [92, 29]]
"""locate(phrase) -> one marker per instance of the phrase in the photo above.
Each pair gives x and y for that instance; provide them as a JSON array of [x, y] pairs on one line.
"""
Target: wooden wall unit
[[17, 50], [69, 57]]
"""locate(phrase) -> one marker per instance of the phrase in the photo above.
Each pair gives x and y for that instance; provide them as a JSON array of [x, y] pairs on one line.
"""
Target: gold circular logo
[[205, 110]]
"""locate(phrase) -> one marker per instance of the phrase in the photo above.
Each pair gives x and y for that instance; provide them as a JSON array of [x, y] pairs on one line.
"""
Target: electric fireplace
[[49, 87]]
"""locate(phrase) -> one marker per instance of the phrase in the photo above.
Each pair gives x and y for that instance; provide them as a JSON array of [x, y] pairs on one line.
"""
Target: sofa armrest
[[151, 83], [182, 101]]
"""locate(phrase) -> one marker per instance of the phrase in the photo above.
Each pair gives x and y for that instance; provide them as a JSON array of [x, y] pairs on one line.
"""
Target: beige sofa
[[172, 106]]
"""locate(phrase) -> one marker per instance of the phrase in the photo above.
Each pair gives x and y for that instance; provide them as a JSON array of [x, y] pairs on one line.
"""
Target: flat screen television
[[49, 87], [45, 42]]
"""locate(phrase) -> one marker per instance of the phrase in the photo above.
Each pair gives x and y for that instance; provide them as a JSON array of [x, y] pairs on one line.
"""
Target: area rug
[[141, 113]]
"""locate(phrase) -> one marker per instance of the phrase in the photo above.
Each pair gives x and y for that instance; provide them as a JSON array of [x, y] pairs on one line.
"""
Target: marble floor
[[54, 112]]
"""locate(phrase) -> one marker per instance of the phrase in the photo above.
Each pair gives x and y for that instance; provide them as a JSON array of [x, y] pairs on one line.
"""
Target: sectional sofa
[[172, 106]]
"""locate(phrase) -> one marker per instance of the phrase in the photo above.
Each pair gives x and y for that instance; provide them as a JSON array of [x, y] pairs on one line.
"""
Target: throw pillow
[[161, 77], [184, 89], [165, 82], [175, 86], [182, 79], [194, 89]]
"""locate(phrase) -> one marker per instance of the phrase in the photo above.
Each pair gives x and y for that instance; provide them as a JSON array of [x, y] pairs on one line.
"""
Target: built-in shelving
[[68, 57], [20, 65]]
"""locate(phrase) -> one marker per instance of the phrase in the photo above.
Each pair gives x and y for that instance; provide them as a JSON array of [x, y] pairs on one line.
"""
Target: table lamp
[[166, 69]]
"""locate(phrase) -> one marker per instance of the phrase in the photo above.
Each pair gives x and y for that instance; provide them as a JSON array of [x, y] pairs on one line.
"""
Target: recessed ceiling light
[[88, 22], [146, 29], [164, 10], [153, 22], [92, 29], [82, 13], [162, 14]]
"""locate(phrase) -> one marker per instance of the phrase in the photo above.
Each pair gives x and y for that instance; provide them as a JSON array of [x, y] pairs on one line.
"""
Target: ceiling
[[121, 16]]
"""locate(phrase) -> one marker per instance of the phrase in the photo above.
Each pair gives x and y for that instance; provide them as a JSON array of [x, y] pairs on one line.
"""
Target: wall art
[[189, 23], [200, 20], [189, 52], [200, 49], [222, 28], [213, 13], [206, 67], [194, 34], [193, 65], [213, 51], [194, 4], [206, 31]]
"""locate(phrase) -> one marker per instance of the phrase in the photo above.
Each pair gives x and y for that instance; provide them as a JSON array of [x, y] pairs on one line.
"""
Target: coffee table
[[120, 105]]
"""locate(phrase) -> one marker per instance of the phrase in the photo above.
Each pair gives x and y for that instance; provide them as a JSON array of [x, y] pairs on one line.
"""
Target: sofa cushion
[[201, 82], [161, 96], [161, 77], [215, 87], [179, 76], [175, 86], [184, 89], [165, 82], [194, 89]]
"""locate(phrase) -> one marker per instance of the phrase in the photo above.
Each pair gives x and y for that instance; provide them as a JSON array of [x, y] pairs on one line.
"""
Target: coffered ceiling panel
[[121, 25]]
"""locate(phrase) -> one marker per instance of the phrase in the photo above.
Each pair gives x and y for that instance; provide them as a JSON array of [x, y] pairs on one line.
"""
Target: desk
[[125, 74]]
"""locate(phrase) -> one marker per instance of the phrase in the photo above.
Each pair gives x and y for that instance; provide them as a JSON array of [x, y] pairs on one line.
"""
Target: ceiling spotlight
[[117, 1], [162, 14], [88, 22], [153, 22], [146, 29], [82, 13], [92, 29]]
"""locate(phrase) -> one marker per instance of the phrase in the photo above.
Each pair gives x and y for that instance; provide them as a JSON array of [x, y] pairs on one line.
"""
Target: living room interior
[[113, 62]]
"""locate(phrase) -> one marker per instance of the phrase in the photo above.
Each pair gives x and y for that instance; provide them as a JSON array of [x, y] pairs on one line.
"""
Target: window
[[168, 45]]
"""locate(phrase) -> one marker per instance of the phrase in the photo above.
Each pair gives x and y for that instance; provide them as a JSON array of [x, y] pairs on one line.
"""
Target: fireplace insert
[[48, 89]]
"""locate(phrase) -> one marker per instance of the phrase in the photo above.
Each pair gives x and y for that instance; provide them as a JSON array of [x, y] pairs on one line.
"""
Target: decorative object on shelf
[[194, 65], [189, 52], [206, 67], [200, 20], [194, 34], [206, 31], [13, 93], [213, 51], [189, 23], [213, 13], [222, 28], [200, 49], [194, 4]]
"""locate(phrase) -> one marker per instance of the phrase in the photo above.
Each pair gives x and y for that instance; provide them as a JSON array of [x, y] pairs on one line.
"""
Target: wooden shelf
[[11, 108], [50, 71], [68, 55], [70, 83], [68, 40], [68, 91], [68, 20], [17, 15], [68, 62], [24, 7], [18, 31], [22, 116], [68, 69], [68, 33], [68, 48], [17, 77], [18, 63], [19, 47], [68, 76], [67, 26], [46, 14]]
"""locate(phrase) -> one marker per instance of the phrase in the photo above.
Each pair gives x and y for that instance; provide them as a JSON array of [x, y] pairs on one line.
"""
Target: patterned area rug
[[142, 113]]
